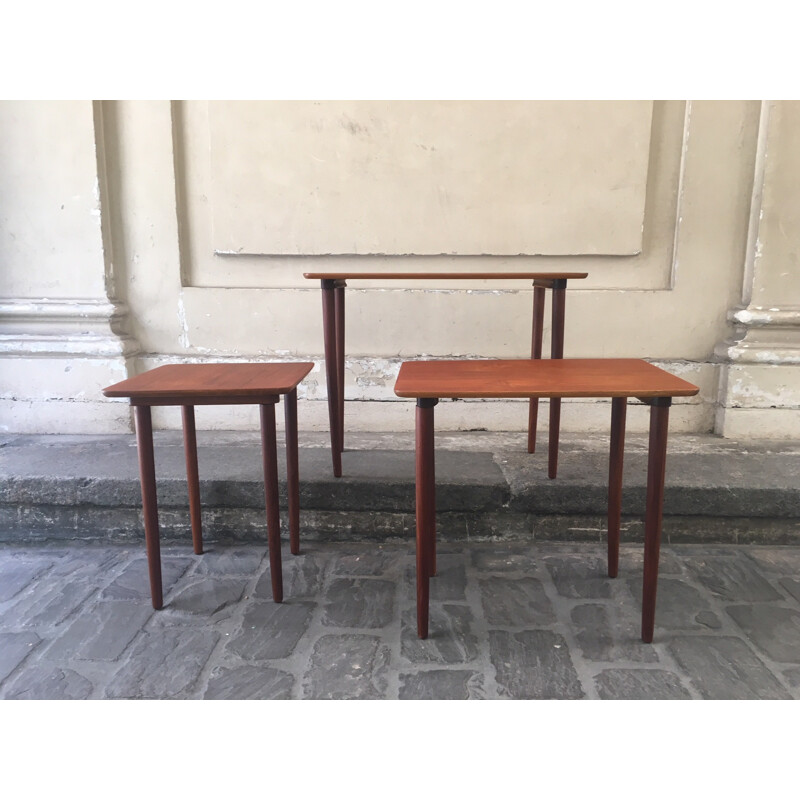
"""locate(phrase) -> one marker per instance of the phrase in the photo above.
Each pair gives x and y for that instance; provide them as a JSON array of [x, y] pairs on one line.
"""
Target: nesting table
[[618, 379], [188, 385], [333, 285]]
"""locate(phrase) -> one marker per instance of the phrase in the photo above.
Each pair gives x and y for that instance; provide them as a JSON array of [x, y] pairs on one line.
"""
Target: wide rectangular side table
[[619, 379], [188, 385], [333, 285]]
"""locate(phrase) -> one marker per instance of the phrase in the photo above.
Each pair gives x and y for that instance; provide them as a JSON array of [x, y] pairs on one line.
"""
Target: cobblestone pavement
[[508, 620]]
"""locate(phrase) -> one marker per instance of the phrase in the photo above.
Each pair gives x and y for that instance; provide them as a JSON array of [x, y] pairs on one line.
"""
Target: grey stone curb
[[86, 488]]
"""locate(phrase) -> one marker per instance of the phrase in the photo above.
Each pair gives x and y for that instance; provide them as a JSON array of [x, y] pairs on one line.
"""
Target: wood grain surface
[[213, 380], [569, 377], [461, 276]]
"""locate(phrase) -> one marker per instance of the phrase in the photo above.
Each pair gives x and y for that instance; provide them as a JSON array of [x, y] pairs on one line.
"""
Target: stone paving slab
[[640, 684], [508, 621], [512, 621]]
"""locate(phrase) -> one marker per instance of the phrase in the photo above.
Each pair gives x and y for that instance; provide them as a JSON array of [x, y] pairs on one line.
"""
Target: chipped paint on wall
[[183, 336], [370, 372], [747, 393]]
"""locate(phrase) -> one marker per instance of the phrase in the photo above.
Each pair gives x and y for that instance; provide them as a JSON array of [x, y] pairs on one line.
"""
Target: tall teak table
[[619, 379], [333, 285]]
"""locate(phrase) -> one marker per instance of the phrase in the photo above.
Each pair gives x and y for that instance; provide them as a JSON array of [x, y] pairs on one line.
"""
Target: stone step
[[488, 487]]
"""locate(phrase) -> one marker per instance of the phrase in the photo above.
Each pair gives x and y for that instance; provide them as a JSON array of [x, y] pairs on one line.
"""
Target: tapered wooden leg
[[430, 504], [292, 470], [619, 406], [536, 352], [192, 477], [269, 449], [147, 476], [556, 351], [425, 509], [332, 372], [656, 468], [339, 308]]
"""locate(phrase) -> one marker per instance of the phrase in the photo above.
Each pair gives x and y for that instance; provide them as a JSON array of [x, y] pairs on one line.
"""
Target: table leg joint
[[427, 402], [659, 402]]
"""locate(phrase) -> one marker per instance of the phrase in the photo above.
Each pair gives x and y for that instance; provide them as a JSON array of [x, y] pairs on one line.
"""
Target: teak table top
[[343, 276], [568, 377], [213, 380]]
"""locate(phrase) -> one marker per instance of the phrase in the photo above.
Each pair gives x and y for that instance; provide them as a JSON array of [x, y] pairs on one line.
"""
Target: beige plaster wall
[[415, 178], [49, 201], [62, 333], [211, 212], [759, 391], [778, 282]]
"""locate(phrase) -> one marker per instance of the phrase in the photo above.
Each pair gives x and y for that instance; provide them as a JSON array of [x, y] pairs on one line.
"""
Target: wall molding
[[756, 317], [762, 336], [753, 247], [64, 327]]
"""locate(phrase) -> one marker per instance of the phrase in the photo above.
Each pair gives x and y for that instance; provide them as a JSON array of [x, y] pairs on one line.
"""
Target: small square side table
[[188, 385]]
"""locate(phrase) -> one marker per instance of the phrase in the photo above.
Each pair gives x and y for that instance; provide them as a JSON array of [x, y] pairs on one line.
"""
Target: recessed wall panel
[[429, 177]]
